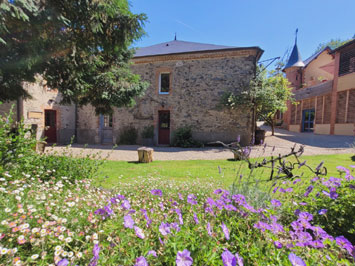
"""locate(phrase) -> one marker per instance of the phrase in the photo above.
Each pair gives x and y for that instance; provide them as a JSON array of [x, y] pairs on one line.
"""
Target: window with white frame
[[164, 83]]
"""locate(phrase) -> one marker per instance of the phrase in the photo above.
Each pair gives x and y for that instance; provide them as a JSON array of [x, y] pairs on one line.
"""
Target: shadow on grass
[[353, 158]]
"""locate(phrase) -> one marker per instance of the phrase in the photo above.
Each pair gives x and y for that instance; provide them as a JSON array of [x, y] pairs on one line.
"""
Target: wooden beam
[[347, 106]]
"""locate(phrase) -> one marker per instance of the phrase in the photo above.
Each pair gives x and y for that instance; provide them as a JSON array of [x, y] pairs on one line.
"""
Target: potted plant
[[148, 136], [259, 136]]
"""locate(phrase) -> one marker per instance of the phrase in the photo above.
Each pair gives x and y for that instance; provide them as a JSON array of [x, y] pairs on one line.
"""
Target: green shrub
[[331, 199], [183, 138], [128, 136], [148, 132], [18, 156]]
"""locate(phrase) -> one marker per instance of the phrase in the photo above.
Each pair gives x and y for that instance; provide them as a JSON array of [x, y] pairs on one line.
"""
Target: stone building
[[187, 81], [44, 113], [324, 89]]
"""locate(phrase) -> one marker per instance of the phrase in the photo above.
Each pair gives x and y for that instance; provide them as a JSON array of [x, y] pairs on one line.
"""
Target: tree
[[80, 47], [266, 94], [332, 44]]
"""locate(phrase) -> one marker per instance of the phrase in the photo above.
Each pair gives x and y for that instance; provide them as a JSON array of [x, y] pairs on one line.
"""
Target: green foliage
[[128, 136], [183, 138], [267, 93], [148, 132], [18, 156], [332, 44], [80, 47], [339, 218]]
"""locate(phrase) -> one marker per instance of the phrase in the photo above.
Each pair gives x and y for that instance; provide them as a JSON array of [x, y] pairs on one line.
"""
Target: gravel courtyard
[[282, 141]]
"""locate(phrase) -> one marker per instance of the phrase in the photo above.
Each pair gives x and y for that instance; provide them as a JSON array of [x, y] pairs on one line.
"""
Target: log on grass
[[145, 155]]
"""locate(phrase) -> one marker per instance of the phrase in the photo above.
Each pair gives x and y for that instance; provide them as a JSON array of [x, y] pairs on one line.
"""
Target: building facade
[[187, 81], [324, 90]]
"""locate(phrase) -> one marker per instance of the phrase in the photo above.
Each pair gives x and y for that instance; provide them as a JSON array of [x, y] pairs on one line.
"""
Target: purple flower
[[305, 216], [175, 226], [239, 260], [344, 243], [183, 258], [277, 244], [95, 258], [308, 190], [164, 229], [301, 164], [141, 261], [225, 230], [296, 261], [63, 262], [156, 192], [196, 219], [322, 211], [228, 258], [262, 226], [317, 244], [275, 203], [352, 186], [139, 232], [191, 198], [126, 205], [319, 166], [217, 191], [152, 252], [297, 226], [209, 231], [128, 221]]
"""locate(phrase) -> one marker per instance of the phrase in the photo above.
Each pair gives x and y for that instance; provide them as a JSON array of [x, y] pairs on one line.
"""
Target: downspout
[[75, 124]]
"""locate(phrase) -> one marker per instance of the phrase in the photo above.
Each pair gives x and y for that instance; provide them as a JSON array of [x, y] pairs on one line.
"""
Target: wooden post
[[145, 155]]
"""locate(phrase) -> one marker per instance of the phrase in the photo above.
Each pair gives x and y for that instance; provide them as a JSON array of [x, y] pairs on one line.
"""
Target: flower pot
[[259, 136], [41, 145]]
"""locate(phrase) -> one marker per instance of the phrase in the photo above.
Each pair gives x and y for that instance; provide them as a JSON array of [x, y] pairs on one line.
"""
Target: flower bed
[[159, 222]]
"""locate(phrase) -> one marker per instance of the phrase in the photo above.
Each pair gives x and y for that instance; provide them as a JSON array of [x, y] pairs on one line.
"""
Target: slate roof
[[295, 59], [311, 58], [178, 47]]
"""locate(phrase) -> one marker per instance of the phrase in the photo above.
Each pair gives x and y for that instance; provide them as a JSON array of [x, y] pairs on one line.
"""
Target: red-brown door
[[164, 128], [50, 123]]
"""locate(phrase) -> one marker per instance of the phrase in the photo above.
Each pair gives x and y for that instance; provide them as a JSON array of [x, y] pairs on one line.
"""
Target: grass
[[224, 171]]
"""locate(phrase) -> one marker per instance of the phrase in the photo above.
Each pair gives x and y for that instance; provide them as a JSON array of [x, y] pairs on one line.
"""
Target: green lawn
[[112, 173]]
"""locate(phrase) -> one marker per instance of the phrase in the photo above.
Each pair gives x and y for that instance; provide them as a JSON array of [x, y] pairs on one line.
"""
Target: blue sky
[[269, 24]]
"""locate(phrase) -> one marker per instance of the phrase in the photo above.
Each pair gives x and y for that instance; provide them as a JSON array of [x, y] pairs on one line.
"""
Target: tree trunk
[[273, 125], [145, 155]]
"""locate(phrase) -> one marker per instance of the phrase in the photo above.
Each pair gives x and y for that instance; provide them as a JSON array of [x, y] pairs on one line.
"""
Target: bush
[[148, 132], [18, 156], [128, 136], [330, 199], [183, 138]]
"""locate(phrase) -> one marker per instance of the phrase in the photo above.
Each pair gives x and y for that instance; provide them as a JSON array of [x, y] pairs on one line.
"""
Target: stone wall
[[43, 98], [88, 125], [6, 107], [196, 90]]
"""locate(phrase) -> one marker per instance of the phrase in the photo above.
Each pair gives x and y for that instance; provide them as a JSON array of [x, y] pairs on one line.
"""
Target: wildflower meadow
[[48, 218]]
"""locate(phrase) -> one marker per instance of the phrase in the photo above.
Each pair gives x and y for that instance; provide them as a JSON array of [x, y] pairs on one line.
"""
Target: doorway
[[50, 123], [164, 128], [308, 120], [106, 129]]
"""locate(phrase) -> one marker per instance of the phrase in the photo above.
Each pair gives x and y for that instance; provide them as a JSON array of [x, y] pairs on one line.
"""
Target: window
[[347, 62], [164, 83], [107, 121]]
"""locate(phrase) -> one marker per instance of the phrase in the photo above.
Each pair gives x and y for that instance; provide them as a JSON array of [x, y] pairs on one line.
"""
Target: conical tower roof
[[295, 59]]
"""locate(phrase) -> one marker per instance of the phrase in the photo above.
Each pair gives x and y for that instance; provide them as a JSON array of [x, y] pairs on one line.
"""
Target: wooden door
[[50, 123], [164, 128], [106, 129]]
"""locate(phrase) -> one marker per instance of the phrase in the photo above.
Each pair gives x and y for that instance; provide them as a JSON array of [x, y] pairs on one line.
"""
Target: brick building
[[187, 81], [324, 89]]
